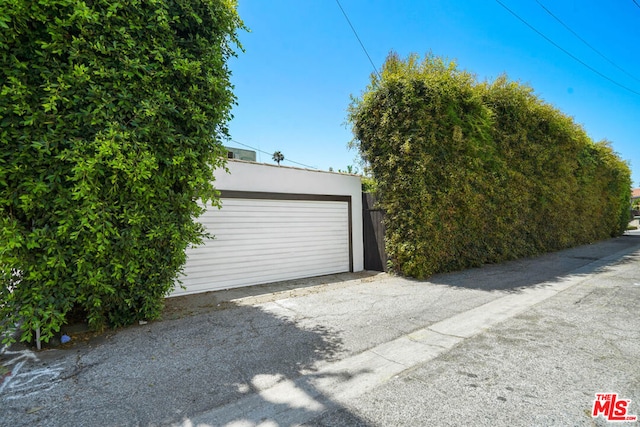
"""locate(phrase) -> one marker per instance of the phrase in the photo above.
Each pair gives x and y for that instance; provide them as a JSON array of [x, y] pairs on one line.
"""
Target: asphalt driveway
[[528, 342]]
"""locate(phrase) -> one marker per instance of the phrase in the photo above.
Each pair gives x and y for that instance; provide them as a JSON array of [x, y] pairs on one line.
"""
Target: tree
[[352, 170], [112, 115], [278, 157], [472, 172]]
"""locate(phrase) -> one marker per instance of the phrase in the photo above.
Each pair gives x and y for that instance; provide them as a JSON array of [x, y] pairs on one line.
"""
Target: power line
[[565, 51], [269, 154], [585, 42], [359, 41], [636, 3]]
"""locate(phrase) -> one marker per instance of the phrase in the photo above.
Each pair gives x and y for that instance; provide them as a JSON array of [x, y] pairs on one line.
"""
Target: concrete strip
[[377, 365], [476, 320], [298, 401]]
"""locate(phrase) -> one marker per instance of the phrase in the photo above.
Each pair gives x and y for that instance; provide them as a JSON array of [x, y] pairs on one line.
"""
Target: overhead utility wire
[[585, 42], [565, 51], [359, 41], [269, 154], [636, 3]]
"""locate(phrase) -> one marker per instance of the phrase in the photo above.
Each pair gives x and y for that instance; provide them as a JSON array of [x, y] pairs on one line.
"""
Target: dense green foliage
[[471, 173], [112, 115]]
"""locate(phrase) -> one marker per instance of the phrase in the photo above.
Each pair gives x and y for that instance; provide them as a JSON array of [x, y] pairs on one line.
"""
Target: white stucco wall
[[249, 176]]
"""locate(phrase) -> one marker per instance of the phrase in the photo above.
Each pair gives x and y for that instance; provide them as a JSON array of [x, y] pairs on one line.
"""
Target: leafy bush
[[471, 173], [111, 120]]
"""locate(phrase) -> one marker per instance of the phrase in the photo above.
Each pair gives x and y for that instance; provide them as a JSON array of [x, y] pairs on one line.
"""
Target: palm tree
[[278, 157]]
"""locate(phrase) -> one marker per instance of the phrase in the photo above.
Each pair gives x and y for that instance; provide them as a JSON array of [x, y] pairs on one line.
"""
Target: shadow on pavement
[[170, 372], [513, 276]]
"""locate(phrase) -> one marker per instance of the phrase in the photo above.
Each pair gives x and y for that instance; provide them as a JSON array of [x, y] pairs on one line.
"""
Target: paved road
[[528, 342]]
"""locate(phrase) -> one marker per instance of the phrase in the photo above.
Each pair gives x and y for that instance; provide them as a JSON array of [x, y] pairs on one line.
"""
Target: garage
[[270, 236]]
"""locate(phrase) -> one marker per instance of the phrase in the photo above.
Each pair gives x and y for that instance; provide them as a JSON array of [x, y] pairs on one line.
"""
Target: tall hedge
[[112, 115], [473, 172]]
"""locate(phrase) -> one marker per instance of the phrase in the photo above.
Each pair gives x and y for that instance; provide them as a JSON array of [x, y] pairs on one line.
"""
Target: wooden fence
[[375, 257]]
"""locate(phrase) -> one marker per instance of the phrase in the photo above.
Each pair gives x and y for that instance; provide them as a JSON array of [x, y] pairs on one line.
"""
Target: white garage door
[[263, 239]]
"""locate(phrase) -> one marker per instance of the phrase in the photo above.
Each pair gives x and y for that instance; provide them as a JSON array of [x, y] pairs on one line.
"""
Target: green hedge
[[475, 172], [112, 115]]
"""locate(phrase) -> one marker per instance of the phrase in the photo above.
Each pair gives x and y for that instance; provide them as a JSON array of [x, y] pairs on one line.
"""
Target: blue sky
[[302, 62]]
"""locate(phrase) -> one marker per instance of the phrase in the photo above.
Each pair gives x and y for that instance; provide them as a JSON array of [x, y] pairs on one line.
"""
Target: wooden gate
[[375, 256]]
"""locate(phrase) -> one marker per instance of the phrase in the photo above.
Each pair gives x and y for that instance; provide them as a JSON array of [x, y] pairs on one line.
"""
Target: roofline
[[292, 167]]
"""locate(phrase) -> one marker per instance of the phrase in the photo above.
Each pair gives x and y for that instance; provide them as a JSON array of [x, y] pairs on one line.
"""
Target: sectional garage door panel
[[265, 240]]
